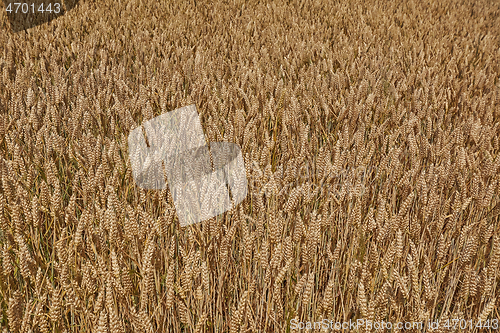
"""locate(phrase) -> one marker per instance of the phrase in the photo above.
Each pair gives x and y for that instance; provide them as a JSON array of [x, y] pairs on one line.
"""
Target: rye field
[[370, 135]]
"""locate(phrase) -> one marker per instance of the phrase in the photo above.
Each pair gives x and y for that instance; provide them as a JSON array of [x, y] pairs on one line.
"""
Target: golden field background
[[370, 133]]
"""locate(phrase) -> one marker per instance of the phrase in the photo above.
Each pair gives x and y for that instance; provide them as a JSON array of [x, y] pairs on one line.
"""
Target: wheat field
[[370, 135]]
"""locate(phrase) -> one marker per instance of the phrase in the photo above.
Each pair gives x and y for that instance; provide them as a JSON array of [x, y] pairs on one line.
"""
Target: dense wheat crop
[[370, 134]]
